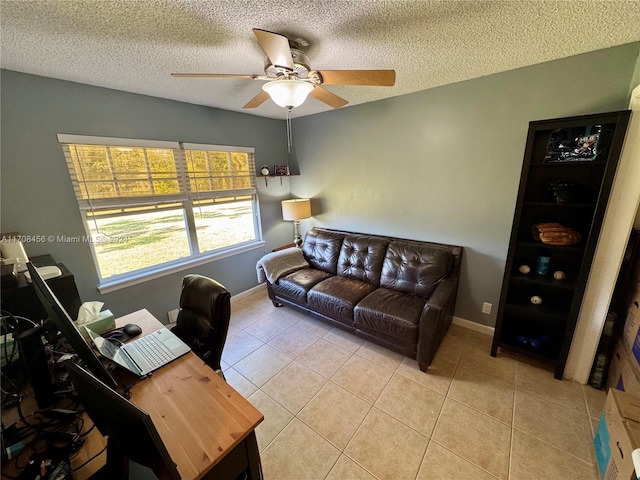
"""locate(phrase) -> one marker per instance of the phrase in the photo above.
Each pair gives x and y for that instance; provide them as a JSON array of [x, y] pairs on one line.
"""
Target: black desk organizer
[[19, 298]]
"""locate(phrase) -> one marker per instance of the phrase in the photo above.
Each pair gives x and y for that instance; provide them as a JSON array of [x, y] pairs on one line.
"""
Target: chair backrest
[[203, 319]]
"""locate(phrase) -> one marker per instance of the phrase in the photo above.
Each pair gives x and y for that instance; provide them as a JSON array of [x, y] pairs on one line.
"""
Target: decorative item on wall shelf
[[534, 343], [562, 191], [573, 144], [542, 265], [280, 170], [555, 234], [559, 275], [265, 171], [524, 269], [536, 300]]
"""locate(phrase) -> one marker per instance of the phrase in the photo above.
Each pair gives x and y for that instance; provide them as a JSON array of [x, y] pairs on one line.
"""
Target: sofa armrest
[[274, 265], [435, 320]]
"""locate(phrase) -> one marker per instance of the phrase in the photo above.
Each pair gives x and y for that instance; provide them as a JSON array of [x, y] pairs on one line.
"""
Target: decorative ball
[[265, 170], [524, 269], [559, 275], [536, 300]]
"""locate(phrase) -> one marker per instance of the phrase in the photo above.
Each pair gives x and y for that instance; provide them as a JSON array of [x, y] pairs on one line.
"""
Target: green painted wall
[[444, 164], [441, 165], [38, 199], [635, 80]]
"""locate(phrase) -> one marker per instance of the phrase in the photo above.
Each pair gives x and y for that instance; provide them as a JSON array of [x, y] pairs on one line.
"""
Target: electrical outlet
[[172, 315], [486, 308]]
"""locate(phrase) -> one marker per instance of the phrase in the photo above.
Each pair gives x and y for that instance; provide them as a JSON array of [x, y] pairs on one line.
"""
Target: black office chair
[[203, 320]]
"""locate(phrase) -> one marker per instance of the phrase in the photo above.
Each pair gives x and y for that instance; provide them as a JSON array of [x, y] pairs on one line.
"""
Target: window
[[151, 206]]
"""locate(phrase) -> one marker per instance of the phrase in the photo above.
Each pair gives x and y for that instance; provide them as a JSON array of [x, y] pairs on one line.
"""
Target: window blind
[[112, 176], [216, 171]]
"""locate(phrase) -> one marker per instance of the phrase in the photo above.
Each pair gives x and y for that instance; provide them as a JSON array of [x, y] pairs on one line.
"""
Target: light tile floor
[[337, 407]]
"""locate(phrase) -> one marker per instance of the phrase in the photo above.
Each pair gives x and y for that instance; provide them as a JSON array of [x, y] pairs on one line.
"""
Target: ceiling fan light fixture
[[288, 93]]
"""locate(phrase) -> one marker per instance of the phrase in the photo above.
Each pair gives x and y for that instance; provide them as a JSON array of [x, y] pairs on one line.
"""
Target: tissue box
[[105, 321]]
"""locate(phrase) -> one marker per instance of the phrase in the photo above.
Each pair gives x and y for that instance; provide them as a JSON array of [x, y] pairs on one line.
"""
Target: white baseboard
[[486, 329], [246, 293], [172, 315]]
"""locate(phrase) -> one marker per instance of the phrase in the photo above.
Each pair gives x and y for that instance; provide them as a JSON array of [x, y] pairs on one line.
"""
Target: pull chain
[[289, 136]]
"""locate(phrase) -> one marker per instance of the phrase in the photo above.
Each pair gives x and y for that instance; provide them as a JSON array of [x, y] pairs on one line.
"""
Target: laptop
[[143, 355]]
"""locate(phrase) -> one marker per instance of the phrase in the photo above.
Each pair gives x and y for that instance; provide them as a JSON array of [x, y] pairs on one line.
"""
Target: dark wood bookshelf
[[544, 331]]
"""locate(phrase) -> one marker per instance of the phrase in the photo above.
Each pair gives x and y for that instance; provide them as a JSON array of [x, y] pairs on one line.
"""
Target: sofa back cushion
[[414, 268], [361, 258], [321, 249]]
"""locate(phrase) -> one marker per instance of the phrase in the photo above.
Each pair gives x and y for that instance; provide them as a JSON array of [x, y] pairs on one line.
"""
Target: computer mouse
[[132, 329]]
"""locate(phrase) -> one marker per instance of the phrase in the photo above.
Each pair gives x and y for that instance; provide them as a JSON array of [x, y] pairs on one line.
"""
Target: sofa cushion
[[389, 313], [361, 258], [296, 285], [336, 297], [321, 249], [414, 268]]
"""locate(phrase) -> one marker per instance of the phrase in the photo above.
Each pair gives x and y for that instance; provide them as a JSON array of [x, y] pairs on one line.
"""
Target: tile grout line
[[351, 440], [527, 392], [556, 448], [446, 394], [514, 428], [464, 459], [393, 372], [552, 400], [457, 366], [513, 421], [435, 424], [586, 403]]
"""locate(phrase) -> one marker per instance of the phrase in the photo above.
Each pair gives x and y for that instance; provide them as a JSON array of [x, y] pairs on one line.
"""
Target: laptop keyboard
[[153, 351]]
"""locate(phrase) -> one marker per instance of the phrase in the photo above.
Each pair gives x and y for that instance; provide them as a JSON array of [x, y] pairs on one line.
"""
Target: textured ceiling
[[134, 45]]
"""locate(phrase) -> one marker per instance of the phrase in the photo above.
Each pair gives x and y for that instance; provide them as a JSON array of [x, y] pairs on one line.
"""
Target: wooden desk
[[207, 427]]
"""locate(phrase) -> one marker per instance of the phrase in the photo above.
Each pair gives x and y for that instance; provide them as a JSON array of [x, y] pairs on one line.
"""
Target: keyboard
[[153, 351]]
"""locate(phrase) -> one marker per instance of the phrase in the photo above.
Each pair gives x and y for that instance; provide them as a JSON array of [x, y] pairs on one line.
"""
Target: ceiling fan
[[290, 79]]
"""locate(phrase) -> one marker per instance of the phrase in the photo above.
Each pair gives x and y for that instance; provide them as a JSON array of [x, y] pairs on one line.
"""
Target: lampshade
[[296, 209], [288, 93]]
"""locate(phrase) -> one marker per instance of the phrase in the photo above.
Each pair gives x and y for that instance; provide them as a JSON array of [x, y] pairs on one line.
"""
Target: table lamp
[[296, 210]]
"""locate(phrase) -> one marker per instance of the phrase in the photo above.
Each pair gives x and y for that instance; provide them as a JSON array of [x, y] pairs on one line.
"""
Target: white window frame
[[184, 200]]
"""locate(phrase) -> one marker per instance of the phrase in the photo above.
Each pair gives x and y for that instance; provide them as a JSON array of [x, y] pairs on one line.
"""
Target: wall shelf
[[267, 177]]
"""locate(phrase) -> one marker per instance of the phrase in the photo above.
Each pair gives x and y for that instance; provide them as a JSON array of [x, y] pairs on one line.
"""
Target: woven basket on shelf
[[555, 234]]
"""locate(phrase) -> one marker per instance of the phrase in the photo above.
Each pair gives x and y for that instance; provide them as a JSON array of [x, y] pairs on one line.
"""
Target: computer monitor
[[62, 321], [132, 434]]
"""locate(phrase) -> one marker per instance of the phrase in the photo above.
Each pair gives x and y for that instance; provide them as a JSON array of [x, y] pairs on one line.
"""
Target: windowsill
[[112, 285]]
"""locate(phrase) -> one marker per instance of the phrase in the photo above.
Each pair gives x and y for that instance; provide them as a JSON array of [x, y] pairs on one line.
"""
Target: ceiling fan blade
[[379, 78], [327, 97], [276, 47], [257, 100], [215, 75]]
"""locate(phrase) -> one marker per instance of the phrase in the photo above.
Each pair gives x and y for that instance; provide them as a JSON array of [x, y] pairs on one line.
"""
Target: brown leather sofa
[[395, 292]]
